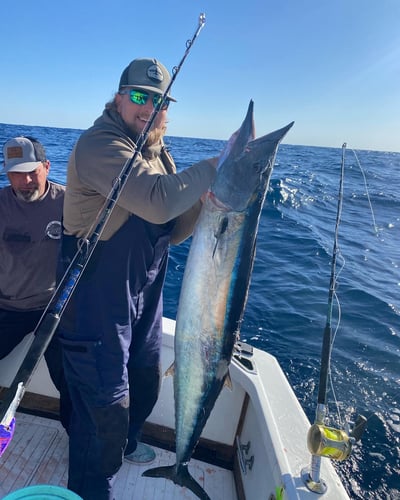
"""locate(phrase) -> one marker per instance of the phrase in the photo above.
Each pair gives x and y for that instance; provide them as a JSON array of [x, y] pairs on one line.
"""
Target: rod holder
[[315, 485]]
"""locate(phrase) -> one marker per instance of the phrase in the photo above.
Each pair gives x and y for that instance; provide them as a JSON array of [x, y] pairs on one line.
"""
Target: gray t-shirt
[[29, 243]]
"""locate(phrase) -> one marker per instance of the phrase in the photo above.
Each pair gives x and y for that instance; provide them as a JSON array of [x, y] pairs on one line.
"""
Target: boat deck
[[38, 454]]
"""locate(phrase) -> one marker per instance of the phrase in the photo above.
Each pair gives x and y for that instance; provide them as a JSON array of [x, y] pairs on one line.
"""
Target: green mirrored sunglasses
[[140, 97]]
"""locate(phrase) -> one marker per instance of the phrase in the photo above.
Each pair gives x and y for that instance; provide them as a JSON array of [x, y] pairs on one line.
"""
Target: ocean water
[[288, 299]]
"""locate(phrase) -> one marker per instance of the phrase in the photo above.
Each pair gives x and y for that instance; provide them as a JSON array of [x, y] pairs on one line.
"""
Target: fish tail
[[180, 476], [169, 472]]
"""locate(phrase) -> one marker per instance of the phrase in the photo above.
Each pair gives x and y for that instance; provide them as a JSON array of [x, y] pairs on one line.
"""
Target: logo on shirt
[[53, 230]]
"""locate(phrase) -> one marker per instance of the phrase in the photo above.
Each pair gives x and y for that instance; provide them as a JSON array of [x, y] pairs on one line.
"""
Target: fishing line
[[340, 420], [339, 313], [367, 192], [49, 321], [338, 321]]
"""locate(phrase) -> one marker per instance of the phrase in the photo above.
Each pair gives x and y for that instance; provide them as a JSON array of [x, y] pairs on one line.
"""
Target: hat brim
[[22, 167], [149, 88]]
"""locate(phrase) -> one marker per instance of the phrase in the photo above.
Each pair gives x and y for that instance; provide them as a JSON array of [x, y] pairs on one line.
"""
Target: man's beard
[[155, 135], [28, 196]]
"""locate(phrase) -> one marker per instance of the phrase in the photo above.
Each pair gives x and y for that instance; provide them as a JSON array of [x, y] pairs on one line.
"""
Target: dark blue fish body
[[215, 287]]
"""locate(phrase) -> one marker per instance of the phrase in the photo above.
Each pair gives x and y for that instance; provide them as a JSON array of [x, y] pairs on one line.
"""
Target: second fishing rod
[[322, 440], [50, 320]]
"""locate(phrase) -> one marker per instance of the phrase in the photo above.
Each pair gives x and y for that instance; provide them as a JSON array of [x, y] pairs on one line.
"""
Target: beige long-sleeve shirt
[[154, 190]]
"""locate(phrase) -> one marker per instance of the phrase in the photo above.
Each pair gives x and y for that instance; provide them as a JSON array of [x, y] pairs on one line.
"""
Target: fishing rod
[[50, 320], [324, 441]]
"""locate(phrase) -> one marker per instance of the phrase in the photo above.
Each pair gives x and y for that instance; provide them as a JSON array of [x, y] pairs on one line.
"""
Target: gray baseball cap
[[146, 74], [23, 154]]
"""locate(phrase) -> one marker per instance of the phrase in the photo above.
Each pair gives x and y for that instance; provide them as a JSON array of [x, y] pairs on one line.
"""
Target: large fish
[[215, 287]]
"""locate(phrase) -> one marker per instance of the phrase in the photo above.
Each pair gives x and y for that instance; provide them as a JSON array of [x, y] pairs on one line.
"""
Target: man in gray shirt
[[30, 231]]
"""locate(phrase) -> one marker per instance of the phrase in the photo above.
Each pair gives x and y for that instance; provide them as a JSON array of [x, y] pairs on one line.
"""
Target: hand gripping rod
[[48, 323]]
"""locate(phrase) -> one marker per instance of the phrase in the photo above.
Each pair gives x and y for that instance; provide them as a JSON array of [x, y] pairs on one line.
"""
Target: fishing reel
[[324, 441]]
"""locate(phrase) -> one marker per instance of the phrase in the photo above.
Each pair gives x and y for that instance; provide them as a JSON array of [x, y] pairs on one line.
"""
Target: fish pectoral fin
[[170, 371], [220, 230]]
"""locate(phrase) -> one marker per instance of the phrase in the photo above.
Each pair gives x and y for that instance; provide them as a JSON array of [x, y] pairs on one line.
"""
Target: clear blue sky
[[331, 66]]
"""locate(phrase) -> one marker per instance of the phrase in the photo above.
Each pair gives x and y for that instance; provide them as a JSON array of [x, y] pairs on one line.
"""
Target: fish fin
[[168, 472], [180, 476], [228, 382], [170, 371], [183, 478], [219, 232]]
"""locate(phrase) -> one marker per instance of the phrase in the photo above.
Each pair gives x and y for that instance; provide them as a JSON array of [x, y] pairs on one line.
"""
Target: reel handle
[[359, 428]]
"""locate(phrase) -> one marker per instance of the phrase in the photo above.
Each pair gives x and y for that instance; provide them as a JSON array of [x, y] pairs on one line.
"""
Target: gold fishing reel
[[334, 443]]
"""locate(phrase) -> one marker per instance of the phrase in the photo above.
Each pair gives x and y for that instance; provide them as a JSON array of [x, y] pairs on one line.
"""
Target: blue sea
[[288, 308]]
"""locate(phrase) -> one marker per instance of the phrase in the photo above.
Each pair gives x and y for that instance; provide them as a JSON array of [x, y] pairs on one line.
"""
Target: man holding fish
[[111, 329]]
